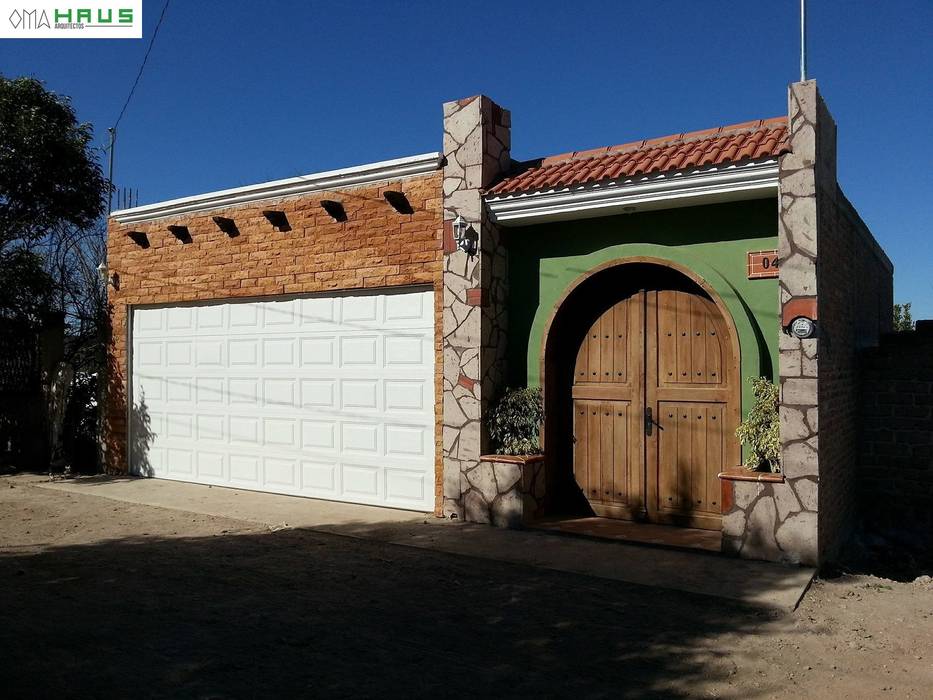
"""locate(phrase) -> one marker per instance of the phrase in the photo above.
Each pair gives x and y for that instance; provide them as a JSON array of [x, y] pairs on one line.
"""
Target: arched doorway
[[641, 378]]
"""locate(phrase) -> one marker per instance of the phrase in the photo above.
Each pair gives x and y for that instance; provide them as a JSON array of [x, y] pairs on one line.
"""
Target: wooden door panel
[[606, 467], [691, 445], [689, 342], [608, 404], [690, 387]]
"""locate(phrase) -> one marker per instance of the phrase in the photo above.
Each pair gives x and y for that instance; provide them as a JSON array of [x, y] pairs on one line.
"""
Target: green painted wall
[[713, 241]]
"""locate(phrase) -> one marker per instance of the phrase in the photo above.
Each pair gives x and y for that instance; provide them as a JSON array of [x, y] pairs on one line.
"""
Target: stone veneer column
[[476, 148], [779, 521]]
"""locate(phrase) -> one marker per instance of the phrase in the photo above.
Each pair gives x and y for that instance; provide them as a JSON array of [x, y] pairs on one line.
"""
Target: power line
[[142, 65], [113, 130]]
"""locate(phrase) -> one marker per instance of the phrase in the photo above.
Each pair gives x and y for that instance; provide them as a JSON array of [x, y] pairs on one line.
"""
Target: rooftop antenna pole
[[803, 40], [113, 140]]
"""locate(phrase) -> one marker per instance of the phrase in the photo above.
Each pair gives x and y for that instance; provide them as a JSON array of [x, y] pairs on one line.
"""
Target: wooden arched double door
[[655, 407]]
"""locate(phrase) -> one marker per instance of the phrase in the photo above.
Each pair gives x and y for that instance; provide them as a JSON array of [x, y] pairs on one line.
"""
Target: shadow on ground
[[295, 612]]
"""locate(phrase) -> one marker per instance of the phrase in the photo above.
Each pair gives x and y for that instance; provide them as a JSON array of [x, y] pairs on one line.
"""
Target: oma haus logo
[[87, 19]]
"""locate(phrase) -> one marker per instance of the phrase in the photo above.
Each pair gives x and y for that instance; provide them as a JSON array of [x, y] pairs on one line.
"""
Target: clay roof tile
[[756, 139]]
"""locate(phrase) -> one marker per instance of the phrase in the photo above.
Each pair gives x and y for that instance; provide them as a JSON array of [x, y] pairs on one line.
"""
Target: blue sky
[[238, 92]]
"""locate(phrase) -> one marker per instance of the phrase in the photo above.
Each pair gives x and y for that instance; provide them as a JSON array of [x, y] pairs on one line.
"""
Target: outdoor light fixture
[[139, 238], [104, 273], [335, 209], [180, 232], [226, 225], [278, 219], [464, 237], [398, 201]]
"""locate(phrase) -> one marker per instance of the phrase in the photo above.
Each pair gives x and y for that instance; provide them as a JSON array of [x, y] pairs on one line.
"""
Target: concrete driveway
[[756, 583], [105, 597]]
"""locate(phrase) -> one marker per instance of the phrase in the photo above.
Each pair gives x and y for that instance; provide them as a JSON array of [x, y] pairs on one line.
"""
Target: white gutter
[[751, 180], [303, 184]]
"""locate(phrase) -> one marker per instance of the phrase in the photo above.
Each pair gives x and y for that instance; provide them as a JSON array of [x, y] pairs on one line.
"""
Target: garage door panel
[[406, 485], [319, 393], [331, 397], [210, 391], [318, 313], [180, 318], [210, 428], [211, 466], [243, 353], [279, 474], [244, 430], [361, 480], [319, 352], [279, 392], [210, 318], [148, 354], [244, 316], [209, 352], [358, 351], [408, 440], [319, 477], [318, 435], [244, 470]]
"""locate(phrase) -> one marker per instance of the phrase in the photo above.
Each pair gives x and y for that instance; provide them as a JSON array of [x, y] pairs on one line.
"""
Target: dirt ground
[[108, 599]]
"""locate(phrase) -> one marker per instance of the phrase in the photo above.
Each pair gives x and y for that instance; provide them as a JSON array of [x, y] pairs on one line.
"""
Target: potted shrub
[[761, 430], [515, 422]]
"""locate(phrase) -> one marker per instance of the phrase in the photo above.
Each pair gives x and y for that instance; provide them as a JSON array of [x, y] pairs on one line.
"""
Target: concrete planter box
[[506, 490]]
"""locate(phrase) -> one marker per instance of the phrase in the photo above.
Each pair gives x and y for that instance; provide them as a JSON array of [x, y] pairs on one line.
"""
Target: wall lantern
[[464, 236], [106, 277], [335, 209], [802, 327], [226, 225], [181, 233], [278, 219], [398, 201]]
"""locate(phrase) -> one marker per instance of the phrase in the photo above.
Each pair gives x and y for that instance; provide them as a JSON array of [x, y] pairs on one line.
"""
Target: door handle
[[650, 421]]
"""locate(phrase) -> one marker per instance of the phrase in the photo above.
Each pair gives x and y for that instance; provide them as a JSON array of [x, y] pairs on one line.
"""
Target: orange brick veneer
[[374, 247]]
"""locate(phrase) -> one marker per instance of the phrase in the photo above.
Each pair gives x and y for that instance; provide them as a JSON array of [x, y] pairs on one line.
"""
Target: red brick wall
[[896, 436], [375, 247], [855, 286]]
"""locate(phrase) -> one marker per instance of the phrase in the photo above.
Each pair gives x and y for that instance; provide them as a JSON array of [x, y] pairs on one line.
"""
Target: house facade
[[343, 335]]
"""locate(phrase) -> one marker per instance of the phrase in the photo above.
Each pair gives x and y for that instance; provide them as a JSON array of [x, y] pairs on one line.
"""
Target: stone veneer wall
[[477, 145], [375, 247], [831, 270]]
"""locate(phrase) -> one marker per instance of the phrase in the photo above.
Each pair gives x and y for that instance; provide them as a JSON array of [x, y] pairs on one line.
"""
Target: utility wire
[[142, 65]]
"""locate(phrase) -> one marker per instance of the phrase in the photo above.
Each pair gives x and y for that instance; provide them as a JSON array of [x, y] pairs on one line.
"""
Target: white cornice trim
[[303, 184], [750, 180]]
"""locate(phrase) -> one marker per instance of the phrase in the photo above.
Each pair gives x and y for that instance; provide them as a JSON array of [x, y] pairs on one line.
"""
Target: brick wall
[[895, 446], [855, 287], [375, 247]]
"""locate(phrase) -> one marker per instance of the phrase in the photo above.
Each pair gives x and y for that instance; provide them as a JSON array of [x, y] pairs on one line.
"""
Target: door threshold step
[[667, 536]]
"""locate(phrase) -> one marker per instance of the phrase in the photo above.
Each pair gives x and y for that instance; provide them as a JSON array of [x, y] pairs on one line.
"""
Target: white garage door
[[330, 397]]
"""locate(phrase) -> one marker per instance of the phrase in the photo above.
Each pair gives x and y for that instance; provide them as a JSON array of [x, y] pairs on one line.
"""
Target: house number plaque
[[762, 264]]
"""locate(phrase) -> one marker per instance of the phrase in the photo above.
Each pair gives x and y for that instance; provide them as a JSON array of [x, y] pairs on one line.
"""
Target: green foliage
[[515, 422], [26, 287], [903, 321], [761, 430], [49, 174]]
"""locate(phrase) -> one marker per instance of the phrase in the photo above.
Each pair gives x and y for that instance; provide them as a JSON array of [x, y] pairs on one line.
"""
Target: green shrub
[[761, 430], [515, 422]]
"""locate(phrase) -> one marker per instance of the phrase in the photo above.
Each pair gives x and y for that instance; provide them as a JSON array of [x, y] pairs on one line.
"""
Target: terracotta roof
[[764, 138]]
